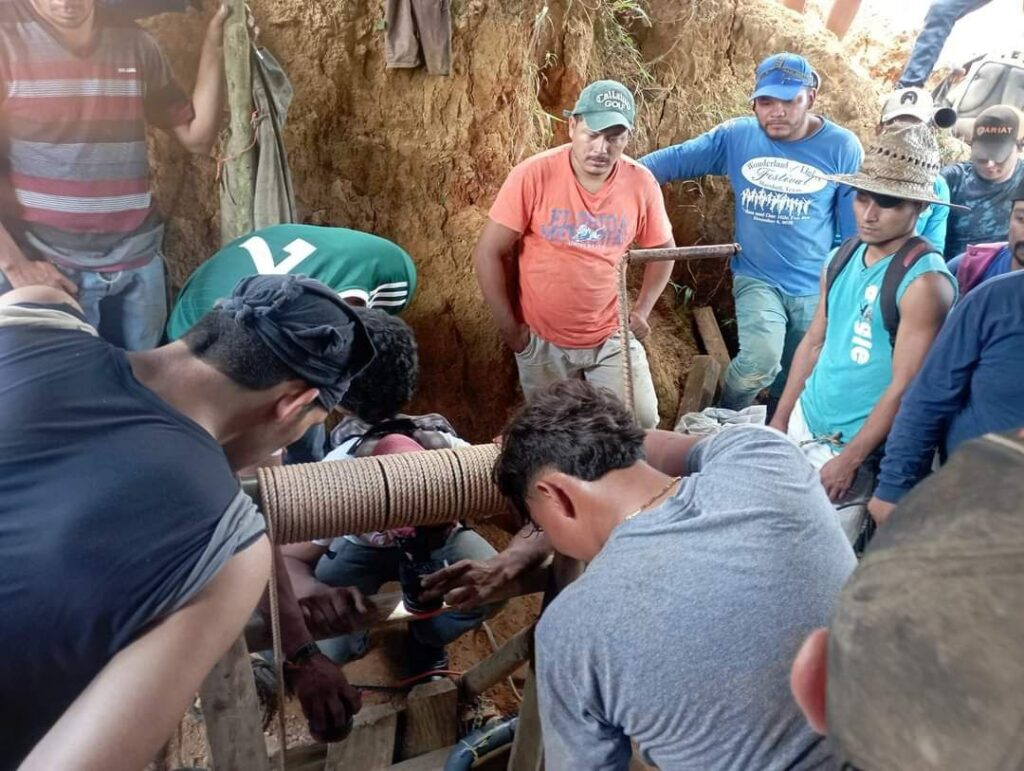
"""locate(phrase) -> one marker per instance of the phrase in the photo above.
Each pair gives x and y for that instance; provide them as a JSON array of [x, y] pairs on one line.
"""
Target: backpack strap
[[840, 261], [913, 250]]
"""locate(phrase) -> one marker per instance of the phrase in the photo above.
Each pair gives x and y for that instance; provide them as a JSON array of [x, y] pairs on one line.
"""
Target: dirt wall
[[418, 158]]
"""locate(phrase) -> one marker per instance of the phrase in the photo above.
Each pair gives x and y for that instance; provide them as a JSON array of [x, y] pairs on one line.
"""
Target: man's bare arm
[[656, 278], [199, 134], [492, 259], [804, 359]]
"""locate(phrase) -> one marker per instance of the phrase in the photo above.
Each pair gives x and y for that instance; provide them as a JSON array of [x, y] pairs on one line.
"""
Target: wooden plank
[[701, 383], [371, 745], [431, 718], [237, 188], [231, 711], [496, 667], [528, 745], [712, 338]]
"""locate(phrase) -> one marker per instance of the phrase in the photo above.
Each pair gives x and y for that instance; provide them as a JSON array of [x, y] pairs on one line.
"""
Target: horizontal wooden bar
[[682, 253]]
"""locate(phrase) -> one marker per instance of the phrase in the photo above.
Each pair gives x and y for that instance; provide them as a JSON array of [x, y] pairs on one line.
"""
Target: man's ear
[[293, 401], [808, 678], [552, 489], [812, 97]]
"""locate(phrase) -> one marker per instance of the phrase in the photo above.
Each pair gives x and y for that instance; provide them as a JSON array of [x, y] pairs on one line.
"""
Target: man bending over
[[129, 556], [709, 561]]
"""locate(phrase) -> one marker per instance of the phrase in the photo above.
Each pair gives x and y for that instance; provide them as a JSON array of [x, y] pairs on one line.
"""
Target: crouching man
[[710, 560]]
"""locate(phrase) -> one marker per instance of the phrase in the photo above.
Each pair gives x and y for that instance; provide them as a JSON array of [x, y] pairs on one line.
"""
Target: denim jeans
[[938, 23], [771, 326], [368, 567]]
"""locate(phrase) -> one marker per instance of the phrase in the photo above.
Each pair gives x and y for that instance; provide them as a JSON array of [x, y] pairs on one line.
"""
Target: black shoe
[[410, 572]]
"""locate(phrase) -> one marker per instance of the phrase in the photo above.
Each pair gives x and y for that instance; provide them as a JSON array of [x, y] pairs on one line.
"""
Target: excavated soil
[[418, 158]]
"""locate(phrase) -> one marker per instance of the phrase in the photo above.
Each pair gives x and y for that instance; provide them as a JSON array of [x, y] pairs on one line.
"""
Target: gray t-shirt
[[681, 633]]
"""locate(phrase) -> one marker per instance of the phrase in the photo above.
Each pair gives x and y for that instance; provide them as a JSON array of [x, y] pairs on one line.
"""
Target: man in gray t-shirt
[[698, 593]]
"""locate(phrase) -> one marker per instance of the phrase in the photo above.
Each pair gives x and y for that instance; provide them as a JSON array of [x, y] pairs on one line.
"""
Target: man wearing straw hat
[[563, 219], [884, 296]]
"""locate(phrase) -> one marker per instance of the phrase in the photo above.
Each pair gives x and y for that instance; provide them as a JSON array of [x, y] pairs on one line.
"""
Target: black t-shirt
[[109, 499]]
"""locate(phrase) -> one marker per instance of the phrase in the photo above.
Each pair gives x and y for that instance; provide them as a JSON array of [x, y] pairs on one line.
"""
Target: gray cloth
[[274, 195], [681, 633], [273, 192]]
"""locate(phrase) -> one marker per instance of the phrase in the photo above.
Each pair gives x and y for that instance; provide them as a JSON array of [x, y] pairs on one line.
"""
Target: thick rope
[[627, 359], [360, 495]]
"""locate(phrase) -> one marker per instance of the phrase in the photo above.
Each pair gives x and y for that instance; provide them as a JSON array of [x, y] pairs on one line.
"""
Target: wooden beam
[[681, 253], [237, 188], [496, 667], [711, 335], [432, 761], [431, 718], [528, 745], [371, 745], [234, 731], [701, 383]]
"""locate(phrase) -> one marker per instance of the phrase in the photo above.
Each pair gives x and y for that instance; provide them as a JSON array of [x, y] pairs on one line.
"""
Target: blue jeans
[[127, 307], [938, 23], [771, 326], [367, 568]]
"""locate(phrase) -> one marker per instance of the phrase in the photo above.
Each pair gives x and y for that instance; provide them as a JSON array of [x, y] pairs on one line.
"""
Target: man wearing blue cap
[[786, 213], [565, 217], [130, 558]]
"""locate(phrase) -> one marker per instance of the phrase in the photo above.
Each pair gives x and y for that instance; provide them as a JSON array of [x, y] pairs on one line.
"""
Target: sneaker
[[410, 572]]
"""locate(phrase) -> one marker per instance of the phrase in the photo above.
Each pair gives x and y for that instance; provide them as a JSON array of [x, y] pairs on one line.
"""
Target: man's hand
[[38, 273], [468, 584], [328, 701], [215, 29], [638, 324], [333, 610], [516, 338], [880, 510], [837, 476]]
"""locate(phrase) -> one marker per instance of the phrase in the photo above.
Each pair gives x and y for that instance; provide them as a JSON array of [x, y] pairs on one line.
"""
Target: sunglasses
[[884, 201]]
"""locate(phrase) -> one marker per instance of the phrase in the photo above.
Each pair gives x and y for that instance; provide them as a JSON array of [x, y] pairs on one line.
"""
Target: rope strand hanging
[[642, 256]]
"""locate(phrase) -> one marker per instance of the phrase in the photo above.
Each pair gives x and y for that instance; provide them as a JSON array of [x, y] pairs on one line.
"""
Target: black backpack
[[907, 256]]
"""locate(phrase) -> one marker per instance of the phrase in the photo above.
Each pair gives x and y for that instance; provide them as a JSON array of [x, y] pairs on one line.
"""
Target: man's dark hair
[[389, 382], [573, 426], [236, 351]]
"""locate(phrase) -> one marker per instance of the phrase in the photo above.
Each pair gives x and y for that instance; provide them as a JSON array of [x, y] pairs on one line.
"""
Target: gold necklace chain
[[660, 493]]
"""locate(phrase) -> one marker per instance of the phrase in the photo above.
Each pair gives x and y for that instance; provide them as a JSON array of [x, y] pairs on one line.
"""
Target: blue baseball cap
[[783, 76]]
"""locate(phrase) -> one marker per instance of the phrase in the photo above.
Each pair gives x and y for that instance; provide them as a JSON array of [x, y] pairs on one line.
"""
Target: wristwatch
[[303, 654]]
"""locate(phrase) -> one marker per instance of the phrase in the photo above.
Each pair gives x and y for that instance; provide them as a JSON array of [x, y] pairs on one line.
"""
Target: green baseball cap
[[605, 103]]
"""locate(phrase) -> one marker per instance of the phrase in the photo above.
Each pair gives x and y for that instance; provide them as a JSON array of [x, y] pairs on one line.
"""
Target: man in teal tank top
[[363, 269], [850, 370]]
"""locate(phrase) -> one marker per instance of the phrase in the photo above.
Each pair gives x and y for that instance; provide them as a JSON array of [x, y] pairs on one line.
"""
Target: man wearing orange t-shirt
[[571, 213]]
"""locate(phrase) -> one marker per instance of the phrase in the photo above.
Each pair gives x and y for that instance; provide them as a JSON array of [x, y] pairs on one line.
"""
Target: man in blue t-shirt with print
[[777, 162], [851, 369]]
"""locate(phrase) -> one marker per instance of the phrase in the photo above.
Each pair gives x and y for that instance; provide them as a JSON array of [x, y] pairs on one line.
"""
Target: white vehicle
[[988, 80]]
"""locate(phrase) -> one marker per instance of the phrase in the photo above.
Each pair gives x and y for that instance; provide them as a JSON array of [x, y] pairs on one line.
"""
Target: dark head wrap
[[307, 326]]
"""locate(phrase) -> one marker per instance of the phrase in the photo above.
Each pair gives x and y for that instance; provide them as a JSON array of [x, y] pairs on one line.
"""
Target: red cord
[[409, 680]]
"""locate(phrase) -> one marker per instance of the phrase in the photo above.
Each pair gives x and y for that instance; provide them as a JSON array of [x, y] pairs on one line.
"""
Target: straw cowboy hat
[[903, 163]]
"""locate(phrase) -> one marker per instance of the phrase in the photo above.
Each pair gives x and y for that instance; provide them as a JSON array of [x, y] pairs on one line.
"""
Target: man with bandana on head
[[130, 558]]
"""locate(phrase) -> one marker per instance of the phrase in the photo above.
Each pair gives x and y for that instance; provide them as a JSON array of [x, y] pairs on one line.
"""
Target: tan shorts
[[542, 363]]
